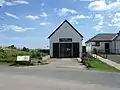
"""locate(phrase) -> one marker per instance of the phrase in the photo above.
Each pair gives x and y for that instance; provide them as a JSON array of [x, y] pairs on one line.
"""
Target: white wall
[[90, 47], [117, 46], [64, 32], [113, 47]]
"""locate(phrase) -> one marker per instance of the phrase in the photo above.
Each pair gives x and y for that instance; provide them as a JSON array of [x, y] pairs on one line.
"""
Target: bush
[[25, 49], [9, 54], [12, 47], [37, 54]]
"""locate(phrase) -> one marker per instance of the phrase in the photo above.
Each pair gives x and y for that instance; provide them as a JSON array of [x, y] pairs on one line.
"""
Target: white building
[[65, 41], [104, 42]]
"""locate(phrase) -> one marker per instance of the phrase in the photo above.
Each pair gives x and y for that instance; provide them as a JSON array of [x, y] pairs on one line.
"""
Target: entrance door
[[55, 50], [107, 48], [75, 49], [66, 50]]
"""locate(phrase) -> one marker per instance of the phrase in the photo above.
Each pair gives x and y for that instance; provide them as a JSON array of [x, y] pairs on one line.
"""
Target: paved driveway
[[51, 78], [66, 63], [115, 58]]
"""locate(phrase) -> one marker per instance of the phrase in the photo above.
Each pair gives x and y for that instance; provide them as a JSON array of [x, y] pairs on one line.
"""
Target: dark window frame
[[65, 39], [97, 43]]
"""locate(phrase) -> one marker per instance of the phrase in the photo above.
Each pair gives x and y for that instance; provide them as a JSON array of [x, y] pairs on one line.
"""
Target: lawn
[[96, 64]]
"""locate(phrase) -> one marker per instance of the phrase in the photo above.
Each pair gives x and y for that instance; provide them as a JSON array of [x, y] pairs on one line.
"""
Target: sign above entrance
[[65, 40]]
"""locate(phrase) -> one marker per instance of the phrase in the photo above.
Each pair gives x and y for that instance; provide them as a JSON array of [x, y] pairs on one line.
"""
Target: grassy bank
[[5, 63], [9, 54], [96, 64]]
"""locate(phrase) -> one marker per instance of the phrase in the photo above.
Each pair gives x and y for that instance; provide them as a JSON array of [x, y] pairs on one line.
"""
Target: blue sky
[[29, 22]]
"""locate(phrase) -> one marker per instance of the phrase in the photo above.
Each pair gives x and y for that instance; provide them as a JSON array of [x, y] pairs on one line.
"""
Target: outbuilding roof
[[103, 37]]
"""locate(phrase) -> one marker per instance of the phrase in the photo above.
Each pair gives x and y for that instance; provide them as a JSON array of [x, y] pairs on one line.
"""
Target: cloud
[[74, 19], [100, 23], [65, 11], [31, 17], [42, 4], [98, 28], [98, 6], [115, 6], [19, 29], [15, 2], [117, 14], [9, 3], [35, 17], [11, 15], [14, 28], [1, 3], [44, 23], [44, 15], [115, 20], [103, 6], [99, 18], [111, 16], [20, 2]]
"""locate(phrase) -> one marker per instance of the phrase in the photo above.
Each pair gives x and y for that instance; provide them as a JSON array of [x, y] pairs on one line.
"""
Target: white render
[[65, 31], [99, 41], [114, 46], [90, 46], [117, 46]]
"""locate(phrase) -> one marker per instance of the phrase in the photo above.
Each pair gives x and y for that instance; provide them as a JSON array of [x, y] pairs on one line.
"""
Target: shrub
[[9, 54]]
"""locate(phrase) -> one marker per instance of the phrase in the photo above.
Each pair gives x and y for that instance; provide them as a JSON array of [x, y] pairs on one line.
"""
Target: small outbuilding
[[104, 43], [65, 42]]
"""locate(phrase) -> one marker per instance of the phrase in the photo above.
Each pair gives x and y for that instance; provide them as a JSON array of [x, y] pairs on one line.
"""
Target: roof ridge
[[107, 33]]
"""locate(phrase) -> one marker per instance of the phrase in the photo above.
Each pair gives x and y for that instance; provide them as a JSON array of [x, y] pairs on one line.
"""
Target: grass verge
[[96, 64], [5, 63]]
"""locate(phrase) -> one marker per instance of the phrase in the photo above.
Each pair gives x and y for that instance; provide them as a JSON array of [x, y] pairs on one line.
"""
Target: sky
[[29, 22]]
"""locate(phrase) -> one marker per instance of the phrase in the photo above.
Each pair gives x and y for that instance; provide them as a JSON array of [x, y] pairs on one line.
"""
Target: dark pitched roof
[[61, 25], [103, 37], [117, 38]]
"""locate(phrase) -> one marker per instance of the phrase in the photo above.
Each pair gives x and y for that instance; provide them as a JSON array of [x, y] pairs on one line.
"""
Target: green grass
[[96, 64], [5, 63]]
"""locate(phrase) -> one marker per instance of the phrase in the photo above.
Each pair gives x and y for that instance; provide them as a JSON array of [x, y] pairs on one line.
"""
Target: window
[[97, 43], [65, 40]]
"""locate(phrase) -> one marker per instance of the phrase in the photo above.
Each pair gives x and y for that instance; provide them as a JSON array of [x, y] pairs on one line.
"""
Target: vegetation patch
[[5, 64], [95, 64], [8, 55]]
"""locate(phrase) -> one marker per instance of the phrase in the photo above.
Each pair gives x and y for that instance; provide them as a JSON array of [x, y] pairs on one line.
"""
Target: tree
[[12, 47], [25, 49]]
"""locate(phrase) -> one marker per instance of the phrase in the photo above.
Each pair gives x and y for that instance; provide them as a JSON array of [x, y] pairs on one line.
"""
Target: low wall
[[46, 58]]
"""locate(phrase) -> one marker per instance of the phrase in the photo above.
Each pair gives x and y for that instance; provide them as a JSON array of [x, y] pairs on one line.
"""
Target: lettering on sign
[[23, 58]]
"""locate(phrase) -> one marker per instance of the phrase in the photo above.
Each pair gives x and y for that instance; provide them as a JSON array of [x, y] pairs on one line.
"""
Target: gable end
[[61, 25]]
